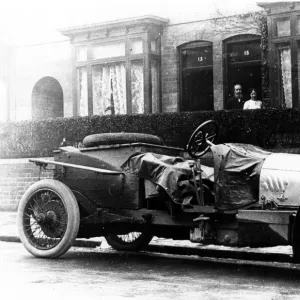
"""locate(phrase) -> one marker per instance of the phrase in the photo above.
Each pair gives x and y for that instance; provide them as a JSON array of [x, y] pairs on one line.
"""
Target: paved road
[[106, 274]]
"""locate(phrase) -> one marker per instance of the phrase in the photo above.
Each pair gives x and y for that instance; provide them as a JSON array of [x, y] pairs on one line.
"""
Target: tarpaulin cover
[[173, 174], [236, 170], [236, 174]]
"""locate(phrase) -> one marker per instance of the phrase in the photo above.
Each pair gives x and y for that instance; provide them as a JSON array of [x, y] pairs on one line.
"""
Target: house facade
[[151, 64]]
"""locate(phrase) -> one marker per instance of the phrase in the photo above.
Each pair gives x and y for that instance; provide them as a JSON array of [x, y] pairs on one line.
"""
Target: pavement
[[8, 233]]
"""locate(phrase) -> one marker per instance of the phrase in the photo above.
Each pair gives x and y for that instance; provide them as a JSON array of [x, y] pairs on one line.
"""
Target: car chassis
[[94, 193]]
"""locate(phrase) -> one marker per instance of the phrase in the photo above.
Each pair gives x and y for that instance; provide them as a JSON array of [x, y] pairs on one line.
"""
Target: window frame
[[274, 59], [234, 40], [180, 49], [145, 56], [274, 26]]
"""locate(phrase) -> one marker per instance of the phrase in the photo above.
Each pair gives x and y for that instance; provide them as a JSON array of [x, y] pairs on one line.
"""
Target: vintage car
[[130, 187]]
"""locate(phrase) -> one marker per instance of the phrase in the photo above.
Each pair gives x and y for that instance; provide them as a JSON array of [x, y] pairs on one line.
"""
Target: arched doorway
[[47, 99]]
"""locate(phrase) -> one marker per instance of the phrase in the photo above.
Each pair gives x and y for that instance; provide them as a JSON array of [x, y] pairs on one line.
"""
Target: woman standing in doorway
[[253, 103]]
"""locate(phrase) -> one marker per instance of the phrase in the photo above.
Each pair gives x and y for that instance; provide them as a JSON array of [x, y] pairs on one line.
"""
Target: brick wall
[[16, 175]]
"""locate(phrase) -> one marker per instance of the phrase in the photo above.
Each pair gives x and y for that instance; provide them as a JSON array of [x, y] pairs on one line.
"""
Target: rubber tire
[[113, 138], [72, 210], [143, 240]]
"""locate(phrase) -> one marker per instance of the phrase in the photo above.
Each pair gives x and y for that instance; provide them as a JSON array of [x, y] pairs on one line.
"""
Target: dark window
[[196, 77]]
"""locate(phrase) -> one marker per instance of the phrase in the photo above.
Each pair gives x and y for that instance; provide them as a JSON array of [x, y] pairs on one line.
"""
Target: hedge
[[270, 128]]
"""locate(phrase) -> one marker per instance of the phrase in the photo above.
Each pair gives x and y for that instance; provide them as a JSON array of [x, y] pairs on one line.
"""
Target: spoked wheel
[[131, 241], [48, 218], [197, 145]]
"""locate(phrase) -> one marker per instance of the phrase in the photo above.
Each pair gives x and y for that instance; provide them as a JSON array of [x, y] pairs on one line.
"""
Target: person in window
[[253, 103], [236, 102]]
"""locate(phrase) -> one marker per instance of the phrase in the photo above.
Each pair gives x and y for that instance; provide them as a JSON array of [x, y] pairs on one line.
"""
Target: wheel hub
[[51, 217], [40, 218]]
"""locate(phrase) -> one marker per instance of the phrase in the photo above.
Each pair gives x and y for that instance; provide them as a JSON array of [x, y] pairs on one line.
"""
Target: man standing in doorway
[[236, 102]]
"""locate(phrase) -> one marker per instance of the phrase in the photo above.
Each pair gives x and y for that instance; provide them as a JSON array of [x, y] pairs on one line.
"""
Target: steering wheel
[[202, 138]]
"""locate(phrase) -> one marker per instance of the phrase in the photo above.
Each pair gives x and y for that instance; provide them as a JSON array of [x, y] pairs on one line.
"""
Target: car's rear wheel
[[132, 241], [48, 218]]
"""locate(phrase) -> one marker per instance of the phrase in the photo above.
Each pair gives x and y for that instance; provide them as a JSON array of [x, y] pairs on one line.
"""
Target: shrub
[[270, 128]]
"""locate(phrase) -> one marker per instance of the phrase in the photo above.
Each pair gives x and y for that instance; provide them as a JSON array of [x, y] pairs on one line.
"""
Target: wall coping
[[148, 19], [11, 161]]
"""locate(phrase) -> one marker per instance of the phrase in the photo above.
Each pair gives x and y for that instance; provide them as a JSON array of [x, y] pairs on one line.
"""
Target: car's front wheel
[[48, 218]]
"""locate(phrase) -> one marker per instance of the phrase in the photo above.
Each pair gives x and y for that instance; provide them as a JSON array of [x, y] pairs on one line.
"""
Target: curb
[[271, 260], [267, 265], [221, 254], [177, 250], [77, 243], [9, 238], [86, 244]]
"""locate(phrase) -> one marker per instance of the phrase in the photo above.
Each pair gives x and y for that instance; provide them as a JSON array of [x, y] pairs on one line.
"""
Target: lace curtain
[[137, 86], [154, 81], [83, 92], [118, 83], [109, 89], [286, 71]]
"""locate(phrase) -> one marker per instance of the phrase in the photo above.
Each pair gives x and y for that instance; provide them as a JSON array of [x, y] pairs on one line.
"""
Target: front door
[[243, 65]]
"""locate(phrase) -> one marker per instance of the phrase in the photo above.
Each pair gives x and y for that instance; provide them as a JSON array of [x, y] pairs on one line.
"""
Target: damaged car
[[129, 187]]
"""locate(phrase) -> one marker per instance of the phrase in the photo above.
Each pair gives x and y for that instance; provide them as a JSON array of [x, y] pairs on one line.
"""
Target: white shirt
[[252, 104]]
